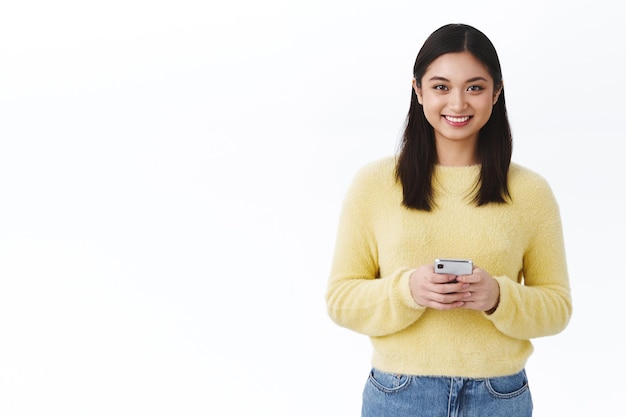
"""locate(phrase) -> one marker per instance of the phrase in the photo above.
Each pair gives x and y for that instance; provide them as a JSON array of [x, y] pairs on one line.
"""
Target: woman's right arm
[[357, 297]]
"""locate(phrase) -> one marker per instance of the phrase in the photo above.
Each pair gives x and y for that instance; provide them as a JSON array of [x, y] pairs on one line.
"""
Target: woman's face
[[457, 94]]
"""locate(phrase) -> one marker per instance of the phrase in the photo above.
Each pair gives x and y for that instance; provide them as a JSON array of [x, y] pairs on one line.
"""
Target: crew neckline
[[457, 166], [455, 180]]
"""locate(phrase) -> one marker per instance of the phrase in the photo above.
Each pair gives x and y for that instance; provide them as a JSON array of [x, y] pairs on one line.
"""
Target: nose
[[456, 100]]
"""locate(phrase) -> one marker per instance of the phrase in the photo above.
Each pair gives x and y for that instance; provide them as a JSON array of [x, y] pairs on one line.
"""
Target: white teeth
[[457, 119]]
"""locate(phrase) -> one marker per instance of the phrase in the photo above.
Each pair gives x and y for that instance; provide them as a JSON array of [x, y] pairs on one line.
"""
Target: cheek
[[432, 114], [484, 107], [432, 105]]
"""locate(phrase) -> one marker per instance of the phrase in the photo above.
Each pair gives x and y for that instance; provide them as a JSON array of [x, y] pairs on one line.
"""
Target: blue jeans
[[419, 396]]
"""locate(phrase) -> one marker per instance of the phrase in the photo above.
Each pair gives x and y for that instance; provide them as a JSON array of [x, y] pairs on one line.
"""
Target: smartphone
[[453, 266]]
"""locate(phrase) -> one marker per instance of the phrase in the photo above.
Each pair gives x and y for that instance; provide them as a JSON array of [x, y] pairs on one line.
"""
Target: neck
[[456, 154]]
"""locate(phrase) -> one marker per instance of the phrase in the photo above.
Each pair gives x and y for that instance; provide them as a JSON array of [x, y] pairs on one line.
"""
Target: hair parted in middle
[[418, 155]]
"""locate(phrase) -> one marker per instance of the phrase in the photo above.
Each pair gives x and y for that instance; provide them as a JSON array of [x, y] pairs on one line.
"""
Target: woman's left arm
[[541, 305]]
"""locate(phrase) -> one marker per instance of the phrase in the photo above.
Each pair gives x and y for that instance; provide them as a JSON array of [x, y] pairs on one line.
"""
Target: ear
[[418, 92], [496, 95]]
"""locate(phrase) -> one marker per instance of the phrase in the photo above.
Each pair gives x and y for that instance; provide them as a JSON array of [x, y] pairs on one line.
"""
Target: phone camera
[[439, 266]]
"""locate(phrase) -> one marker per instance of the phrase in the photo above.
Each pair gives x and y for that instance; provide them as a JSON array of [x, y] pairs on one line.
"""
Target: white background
[[171, 174]]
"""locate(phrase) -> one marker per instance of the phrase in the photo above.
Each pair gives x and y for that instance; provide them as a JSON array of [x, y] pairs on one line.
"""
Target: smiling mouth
[[454, 119]]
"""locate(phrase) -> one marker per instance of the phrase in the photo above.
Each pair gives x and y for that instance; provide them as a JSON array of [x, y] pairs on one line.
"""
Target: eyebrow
[[471, 80]]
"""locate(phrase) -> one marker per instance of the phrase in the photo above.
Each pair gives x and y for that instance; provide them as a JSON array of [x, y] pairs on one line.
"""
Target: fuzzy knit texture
[[380, 242]]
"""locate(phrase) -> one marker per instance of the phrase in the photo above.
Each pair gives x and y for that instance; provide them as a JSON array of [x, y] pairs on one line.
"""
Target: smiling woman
[[451, 192], [456, 75], [457, 96]]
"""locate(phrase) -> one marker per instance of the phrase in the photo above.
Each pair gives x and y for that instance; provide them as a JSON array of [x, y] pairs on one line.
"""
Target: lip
[[457, 120]]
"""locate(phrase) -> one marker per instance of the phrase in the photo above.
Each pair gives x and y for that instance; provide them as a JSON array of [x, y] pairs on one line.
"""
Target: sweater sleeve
[[541, 305], [357, 297]]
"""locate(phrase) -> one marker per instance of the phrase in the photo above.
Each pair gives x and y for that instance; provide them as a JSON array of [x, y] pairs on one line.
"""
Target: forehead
[[457, 66]]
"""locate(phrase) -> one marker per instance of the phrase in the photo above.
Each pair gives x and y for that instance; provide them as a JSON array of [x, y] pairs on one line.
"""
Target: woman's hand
[[478, 291], [484, 290], [438, 291]]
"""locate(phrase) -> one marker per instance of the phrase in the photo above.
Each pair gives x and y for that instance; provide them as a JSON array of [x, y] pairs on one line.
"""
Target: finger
[[450, 288], [449, 298], [469, 279], [442, 278]]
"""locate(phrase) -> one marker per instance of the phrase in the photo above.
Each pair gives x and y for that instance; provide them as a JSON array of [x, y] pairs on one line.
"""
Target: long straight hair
[[418, 155]]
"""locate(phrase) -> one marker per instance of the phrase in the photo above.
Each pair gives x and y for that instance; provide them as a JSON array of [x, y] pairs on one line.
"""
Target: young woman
[[444, 344]]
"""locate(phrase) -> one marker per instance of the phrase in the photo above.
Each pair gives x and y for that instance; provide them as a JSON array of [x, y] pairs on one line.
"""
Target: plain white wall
[[171, 175]]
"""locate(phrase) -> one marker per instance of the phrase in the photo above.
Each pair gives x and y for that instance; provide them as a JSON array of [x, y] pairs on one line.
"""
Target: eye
[[440, 87], [475, 88]]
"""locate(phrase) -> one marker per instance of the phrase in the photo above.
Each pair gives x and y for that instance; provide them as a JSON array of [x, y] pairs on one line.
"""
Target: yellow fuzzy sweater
[[380, 242]]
